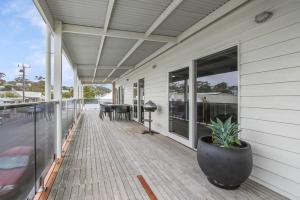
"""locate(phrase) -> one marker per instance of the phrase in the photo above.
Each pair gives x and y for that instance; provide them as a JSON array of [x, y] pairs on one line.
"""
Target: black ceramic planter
[[226, 168]]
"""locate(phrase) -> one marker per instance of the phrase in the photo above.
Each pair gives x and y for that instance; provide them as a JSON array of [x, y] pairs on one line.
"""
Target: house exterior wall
[[269, 85]]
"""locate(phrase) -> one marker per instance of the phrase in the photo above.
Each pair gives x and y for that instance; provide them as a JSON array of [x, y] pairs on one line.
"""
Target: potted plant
[[224, 159]]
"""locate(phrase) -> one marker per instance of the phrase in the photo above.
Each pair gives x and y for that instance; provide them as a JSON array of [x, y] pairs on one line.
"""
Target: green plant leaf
[[225, 134]]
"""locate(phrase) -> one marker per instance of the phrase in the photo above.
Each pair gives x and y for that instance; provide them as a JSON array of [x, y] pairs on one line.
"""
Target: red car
[[16, 170]]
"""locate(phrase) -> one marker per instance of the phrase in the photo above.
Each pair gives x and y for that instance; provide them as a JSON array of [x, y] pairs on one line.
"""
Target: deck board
[[105, 157]]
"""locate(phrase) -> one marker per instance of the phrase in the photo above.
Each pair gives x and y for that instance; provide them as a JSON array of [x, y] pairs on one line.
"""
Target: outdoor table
[[114, 106]]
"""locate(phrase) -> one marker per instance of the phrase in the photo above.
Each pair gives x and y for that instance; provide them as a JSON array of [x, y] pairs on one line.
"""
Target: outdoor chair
[[104, 110], [122, 112]]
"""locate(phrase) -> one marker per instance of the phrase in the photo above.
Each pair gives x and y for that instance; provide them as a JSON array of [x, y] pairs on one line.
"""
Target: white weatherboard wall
[[269, 85]]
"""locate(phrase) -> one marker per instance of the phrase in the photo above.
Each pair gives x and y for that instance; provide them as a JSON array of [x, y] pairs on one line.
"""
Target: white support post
[[75, 88], [58, 84], [192, 106], [81, 89], [75, 82], [78, 85], [48, 65], [81, 94]]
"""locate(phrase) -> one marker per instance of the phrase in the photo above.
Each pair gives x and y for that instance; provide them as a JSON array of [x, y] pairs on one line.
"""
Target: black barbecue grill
[[149, 107]]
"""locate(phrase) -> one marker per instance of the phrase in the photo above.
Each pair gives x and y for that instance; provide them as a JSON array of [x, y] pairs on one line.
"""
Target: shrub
[[225, 134]]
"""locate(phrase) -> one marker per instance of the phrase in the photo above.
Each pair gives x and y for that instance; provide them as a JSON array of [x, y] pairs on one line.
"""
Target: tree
[[89, 92], [68, 94], [2, 76], [9, 95], [203, 87], [100, 90], [222, 87], [19, 79], [37, 86]]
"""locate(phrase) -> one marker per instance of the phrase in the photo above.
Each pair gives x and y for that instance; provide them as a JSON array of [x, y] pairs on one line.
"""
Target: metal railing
[[27, 144]]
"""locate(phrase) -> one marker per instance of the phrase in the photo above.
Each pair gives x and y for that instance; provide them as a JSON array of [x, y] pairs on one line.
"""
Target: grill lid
[[150, 106]]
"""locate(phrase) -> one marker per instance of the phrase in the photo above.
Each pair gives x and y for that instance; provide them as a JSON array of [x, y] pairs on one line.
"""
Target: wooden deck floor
[[105, 158]]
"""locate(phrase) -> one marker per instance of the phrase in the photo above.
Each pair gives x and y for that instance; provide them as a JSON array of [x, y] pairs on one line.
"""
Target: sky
[[22, 40]]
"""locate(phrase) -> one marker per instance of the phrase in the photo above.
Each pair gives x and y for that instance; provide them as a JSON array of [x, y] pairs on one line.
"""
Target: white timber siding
[[269, 85]]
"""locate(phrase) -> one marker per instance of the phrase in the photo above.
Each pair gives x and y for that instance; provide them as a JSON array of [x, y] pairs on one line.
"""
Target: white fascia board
[[44, 11]]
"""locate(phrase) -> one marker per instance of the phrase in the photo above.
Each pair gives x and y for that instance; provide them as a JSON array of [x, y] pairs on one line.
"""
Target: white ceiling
[[134, 30]]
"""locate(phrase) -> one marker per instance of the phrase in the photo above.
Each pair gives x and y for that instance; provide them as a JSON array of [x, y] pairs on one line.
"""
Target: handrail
[[19, 105]]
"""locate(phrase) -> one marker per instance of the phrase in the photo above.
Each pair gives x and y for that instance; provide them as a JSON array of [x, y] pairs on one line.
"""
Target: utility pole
[[23, 74]]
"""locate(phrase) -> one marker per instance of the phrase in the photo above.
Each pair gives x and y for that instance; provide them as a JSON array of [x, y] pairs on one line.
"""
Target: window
[[216, 89], [179, 102]]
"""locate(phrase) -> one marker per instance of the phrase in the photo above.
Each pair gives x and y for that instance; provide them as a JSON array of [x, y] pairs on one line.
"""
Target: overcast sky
[[22, 40]]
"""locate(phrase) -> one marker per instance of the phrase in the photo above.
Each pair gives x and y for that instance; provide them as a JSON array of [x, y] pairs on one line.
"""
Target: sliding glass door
[[216, 89], [179, 102], [135, 100], [141, 89]]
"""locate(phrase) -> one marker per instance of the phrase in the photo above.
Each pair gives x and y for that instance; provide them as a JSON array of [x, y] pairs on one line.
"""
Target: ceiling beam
[[202, 24], [163, 16], [106, 24], [135, 46], [86, 30], [88, 67], [156, 23], [214, 16], [88, 79]]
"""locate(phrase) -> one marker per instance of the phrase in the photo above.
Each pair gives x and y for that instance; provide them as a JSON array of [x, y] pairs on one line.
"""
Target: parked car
[[16, 169]]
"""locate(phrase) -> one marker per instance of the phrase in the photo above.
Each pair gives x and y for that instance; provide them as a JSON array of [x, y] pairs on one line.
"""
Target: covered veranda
[[104, 40], [106, 159], [134, 43]]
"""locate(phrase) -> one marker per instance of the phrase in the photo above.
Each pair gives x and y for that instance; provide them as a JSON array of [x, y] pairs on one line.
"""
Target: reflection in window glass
[[217, 88], [13, 162], [179, 102]]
